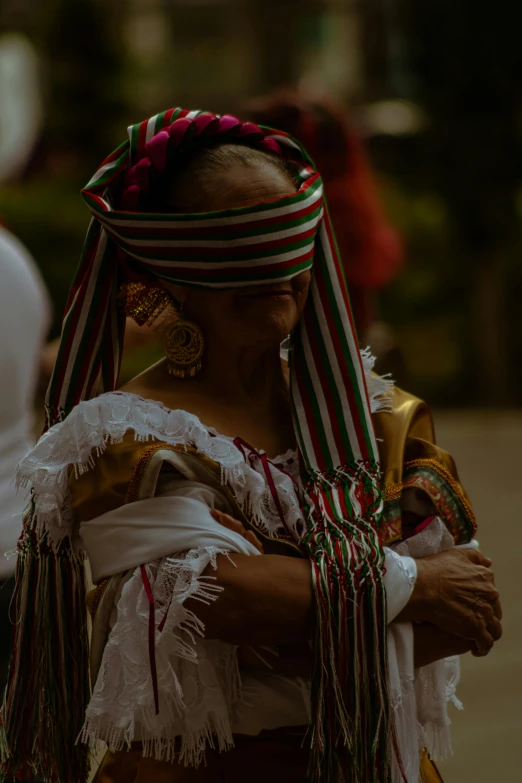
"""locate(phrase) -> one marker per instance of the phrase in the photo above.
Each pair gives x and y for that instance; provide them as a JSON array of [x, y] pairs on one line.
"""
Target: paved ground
[[487, 735]]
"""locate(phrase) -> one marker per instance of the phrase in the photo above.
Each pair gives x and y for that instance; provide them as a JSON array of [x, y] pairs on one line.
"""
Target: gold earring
[[184, 346], [143, 303]]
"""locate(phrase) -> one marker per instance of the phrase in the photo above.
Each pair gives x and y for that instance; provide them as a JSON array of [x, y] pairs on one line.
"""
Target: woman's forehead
[[242, 186]]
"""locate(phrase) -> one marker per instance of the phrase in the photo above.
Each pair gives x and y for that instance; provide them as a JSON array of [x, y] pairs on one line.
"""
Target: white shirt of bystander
[[24, 321]]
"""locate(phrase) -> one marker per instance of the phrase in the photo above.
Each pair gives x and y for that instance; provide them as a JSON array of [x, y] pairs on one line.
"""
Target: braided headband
[[260, 244], [254, 245]]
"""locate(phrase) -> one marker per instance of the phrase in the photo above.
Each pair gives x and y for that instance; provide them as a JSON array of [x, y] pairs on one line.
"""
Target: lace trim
[[94, 424], [379, 387], [199, 684], [435, 684], [405, 720]]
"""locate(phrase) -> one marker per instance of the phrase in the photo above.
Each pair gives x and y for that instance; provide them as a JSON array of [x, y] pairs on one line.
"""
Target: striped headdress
[[260, 244]]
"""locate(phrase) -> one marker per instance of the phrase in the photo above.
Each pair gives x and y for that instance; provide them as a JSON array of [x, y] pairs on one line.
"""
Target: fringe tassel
[[380, 387], [172, 636], [48, 686], [351, 731]]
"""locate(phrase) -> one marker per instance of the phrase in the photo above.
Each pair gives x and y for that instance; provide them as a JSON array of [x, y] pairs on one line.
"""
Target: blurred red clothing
[[370, 248]]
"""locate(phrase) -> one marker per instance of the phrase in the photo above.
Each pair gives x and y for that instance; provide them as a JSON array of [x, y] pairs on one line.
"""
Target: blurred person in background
[[244, 593], [25, 309], [20, 90], [25, 314], [370, 248]]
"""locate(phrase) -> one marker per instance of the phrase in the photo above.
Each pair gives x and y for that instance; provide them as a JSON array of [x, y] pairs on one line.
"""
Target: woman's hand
[[237, 527], [455, 590], [289, 660], [265, 600], [433, 644]]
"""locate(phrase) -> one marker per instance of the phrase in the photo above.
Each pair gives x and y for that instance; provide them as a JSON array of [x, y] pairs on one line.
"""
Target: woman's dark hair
[[186, 185]]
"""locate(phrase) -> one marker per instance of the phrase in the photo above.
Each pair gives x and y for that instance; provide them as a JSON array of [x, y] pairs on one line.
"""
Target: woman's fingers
[[253, 539], [433, 644], [483, 627], [237, 527], [460, 595], [483, 641], [496, 629], [497, 608], [492, 623], [475, 556], [483, 646], [491, 596], [227, 521]]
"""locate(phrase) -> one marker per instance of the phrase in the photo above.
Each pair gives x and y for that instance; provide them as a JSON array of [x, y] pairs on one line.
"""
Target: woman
[[158, 484]]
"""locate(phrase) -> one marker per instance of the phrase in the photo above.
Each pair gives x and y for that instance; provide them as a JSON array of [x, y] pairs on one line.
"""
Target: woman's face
[[253, 316]]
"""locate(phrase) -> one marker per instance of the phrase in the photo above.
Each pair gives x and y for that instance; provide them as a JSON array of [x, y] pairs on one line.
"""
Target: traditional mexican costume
[[129, 484]]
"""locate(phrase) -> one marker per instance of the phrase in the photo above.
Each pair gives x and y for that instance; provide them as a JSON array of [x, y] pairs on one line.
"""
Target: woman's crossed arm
[[268, 600]]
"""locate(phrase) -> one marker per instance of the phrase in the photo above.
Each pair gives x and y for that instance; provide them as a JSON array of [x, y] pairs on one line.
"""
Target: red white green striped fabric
[[255, 245]]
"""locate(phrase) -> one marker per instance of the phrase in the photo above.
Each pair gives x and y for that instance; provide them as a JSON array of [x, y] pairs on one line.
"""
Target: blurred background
[[433, 90]]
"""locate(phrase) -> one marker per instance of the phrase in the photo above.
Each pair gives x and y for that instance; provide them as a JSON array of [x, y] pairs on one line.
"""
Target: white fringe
[[122, 705], [94, 424], [380, 387]]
